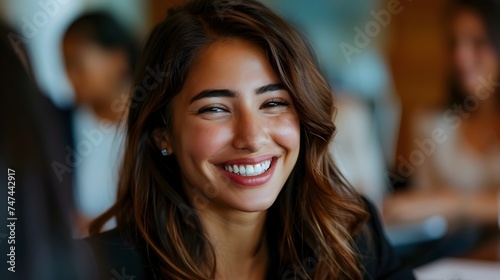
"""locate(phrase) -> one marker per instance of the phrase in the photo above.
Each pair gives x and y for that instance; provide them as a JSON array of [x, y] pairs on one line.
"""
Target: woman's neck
[[239, 242], [113, 108], [103, 112], [480, 129]]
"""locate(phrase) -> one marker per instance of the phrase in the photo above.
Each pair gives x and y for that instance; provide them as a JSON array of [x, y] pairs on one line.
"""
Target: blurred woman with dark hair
[[100, 57], [460, 177], [227, 173]]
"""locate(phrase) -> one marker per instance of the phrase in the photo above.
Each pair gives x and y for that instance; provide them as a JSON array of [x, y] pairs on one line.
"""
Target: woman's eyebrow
[[270, 87], [229, 93], [213, 93]]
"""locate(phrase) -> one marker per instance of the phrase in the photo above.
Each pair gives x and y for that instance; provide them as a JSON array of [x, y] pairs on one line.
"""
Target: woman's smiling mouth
[[249, 169], [249, 172]]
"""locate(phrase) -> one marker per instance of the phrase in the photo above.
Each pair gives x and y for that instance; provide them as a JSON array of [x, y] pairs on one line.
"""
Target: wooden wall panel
[[418, 61]]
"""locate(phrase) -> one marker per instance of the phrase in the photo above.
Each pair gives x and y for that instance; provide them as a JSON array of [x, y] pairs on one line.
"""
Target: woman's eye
[[275, 103], [212, 110]]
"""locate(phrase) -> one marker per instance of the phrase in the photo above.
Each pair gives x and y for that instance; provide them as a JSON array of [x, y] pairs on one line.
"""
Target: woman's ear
[[161, 139]]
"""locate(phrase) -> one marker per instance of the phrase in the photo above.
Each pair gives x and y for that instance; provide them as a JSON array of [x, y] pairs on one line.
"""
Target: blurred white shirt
[[356, 151], [99, 145], [453, 163]]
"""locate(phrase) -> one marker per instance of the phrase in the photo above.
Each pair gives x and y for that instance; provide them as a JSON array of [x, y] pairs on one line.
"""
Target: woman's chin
[[253, 205]]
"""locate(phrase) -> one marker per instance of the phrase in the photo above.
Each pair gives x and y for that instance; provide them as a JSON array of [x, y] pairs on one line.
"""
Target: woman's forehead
[[230, 64]]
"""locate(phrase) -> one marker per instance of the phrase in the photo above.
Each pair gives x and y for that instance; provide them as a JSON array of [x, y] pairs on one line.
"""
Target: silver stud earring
[[164, 152]]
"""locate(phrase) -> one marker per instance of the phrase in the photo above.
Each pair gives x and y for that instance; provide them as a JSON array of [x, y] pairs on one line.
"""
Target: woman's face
[[236, 134], [473, 53]]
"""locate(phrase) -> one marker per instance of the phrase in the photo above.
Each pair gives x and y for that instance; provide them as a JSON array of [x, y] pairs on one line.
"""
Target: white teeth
[[249, 170], [258, 168]]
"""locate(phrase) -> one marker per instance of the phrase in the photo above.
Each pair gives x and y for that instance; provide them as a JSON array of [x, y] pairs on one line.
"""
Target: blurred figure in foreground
[[37, 243], [459, 176], [100, 57]]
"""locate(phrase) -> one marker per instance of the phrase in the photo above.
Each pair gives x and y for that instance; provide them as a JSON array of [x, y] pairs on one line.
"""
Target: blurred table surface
[[489, 251]]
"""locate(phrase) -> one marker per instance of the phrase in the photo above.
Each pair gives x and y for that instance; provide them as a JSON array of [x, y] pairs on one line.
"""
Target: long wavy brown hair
[[316, 207]]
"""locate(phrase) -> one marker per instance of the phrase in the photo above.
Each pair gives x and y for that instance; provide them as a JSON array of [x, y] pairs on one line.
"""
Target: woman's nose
[[250, 131]]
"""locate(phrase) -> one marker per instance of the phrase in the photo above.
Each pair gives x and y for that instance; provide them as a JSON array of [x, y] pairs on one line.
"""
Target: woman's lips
[[249, 175]]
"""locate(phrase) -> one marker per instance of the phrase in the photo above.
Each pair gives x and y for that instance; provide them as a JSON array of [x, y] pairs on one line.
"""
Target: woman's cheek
[[207, 138], [286, 130]]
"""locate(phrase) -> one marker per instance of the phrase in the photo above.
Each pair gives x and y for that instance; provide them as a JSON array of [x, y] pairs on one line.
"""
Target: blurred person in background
[[459, 180], [37, 244], [100, 57]]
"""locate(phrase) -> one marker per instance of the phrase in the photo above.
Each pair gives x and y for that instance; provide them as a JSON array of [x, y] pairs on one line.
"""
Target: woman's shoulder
[[118, 256], [379, 260]]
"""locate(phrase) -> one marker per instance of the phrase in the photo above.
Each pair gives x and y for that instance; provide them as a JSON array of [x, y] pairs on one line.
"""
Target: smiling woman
[[227, 173]]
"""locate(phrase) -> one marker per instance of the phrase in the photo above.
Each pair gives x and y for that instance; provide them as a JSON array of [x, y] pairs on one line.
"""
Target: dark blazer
[[118, 258]]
